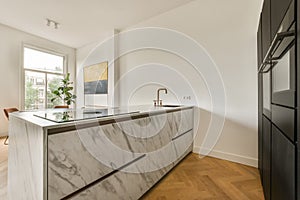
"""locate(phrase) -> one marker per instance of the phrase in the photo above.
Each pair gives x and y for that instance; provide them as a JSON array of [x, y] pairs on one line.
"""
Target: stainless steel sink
[[171, 106]]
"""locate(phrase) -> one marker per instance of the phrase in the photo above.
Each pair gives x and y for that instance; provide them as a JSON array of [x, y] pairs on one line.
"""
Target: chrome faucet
[[158, 101]]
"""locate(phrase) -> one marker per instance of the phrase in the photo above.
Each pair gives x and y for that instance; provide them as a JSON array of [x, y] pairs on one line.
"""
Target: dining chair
[[6, 112]]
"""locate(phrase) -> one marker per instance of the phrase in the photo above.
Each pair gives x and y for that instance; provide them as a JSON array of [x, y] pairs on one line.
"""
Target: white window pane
[[54, 81], [34, 90], [38, 60]]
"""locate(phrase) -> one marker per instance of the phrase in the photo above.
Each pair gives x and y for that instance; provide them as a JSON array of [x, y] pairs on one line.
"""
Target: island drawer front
[[182, 121], [77, 158], [165, 126], [143, 134], [136, 179], [123, 185], [182, 145]]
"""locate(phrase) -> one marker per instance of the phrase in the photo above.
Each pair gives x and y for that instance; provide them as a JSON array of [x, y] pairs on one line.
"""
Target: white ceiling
[[82, 21]]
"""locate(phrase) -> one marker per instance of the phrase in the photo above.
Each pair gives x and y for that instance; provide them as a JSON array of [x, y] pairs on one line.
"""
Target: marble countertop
[[127, 112]]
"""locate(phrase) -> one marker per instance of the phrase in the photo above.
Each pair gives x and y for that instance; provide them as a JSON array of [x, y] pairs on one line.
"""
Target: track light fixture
[[50, 23]]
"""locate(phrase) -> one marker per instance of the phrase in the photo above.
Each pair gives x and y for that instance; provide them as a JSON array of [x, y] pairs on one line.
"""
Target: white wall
[[99, 51], [227, 30], [11, 63]]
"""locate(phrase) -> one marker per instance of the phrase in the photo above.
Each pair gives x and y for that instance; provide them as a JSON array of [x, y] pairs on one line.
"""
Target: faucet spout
[[159, 103]]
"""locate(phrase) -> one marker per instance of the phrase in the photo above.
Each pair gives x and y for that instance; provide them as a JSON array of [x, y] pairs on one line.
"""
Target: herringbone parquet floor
[[194, 178], [208, 178]]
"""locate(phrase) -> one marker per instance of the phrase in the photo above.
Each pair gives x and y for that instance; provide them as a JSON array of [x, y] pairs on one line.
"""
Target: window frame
[[23, 70]]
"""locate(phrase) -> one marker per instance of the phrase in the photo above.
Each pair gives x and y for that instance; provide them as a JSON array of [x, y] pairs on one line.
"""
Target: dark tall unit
[[259, 44], [278, 59], [266, 158], [266, 27], [297, 126], [283, 167], [260, 124], [260, 104], [278, 11]]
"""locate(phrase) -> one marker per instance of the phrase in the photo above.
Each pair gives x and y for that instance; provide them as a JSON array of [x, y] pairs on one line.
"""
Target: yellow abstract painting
[[96, 79]]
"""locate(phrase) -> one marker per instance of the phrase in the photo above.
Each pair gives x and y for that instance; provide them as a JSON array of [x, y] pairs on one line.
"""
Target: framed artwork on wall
[[96, 78]]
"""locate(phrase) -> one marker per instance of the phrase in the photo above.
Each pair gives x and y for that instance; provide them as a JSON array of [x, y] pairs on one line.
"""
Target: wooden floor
[[194, 178], [208, 178]]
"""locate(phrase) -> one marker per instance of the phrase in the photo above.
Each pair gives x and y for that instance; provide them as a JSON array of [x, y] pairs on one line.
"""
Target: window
[[43, 72]]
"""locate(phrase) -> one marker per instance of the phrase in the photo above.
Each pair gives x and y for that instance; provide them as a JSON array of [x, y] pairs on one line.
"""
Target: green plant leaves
[[64, 91], [56, 92]]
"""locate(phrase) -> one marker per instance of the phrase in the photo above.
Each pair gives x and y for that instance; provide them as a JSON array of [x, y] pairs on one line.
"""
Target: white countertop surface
[[126, 111]]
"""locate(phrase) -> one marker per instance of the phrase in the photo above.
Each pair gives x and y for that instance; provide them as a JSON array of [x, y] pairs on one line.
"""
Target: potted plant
[[63, 92]]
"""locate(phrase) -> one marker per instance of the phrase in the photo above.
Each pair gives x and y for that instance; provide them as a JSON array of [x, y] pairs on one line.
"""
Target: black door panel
[[266, 157], [283, 167]]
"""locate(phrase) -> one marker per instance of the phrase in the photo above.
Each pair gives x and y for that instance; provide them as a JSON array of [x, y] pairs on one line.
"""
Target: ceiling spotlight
[[52, 23], [56, 25], [48, 22]]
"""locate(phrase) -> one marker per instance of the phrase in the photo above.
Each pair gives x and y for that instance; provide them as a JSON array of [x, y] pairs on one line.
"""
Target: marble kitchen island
[[112, 153]]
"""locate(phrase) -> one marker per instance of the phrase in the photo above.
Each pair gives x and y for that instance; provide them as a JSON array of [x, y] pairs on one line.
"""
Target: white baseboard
[[253, 162]]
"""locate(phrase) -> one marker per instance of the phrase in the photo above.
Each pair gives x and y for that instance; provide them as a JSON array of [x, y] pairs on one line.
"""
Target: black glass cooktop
[[67, 115]]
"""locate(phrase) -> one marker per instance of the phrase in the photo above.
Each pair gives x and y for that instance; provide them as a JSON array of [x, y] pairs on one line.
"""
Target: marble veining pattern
[[182, 121], [163, 157], [72, 165], [77, 158], [124, 185], [25, 160], [130, 135], [80, 157]]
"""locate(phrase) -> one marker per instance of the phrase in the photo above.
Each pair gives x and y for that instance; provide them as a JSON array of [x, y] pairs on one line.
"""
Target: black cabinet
[[259, 45], [284, 119], [298, 176], [283, 167], [266, 27], [278, 10], [278, 113], [260, 123], [297, 126], [266, 158]]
